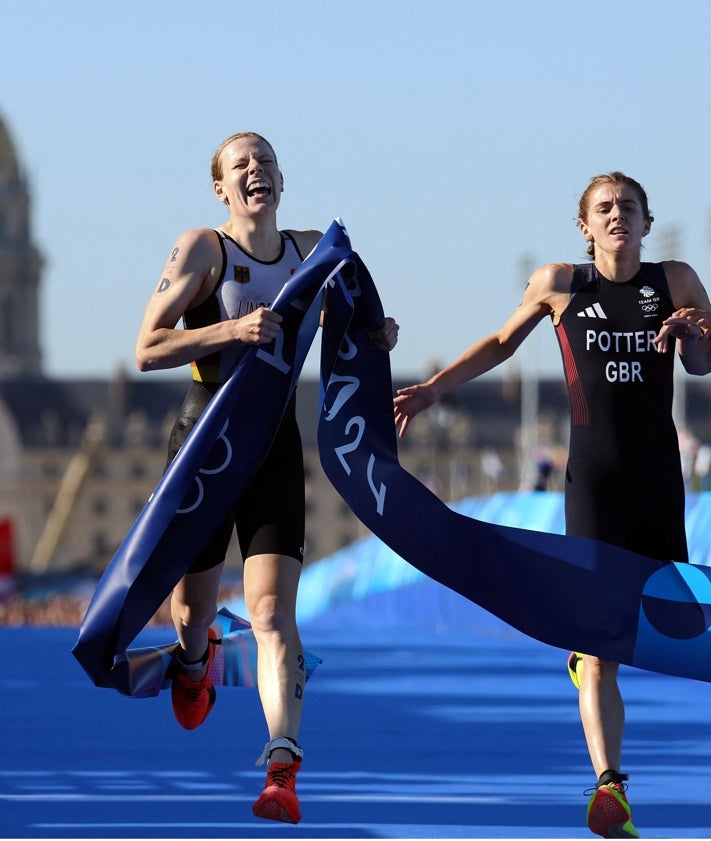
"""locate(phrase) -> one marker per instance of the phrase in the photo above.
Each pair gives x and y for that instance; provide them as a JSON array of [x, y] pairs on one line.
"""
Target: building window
[[50, 468], [99, 506], [138, 469]]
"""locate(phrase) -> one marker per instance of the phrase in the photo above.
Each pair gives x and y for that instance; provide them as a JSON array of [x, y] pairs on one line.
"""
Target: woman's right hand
[[410, 401], [258, 328]]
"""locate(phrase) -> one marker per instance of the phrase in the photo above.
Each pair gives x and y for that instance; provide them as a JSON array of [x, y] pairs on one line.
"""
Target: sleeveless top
[[245, 285], [614, 374], [623, 483]]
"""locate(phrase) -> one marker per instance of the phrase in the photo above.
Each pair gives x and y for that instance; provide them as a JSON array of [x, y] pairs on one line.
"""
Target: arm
[[384, 337], [191, 272], [546, 294], [305, 241], [691, 323]]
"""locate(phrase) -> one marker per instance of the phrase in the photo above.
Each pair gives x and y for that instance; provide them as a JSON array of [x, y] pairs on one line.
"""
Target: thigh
[[270, 515], [199, 590], [639, 510], [194, 404]]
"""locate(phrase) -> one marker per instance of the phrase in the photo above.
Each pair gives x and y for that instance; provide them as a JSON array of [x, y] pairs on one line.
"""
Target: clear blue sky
[[453, 138]]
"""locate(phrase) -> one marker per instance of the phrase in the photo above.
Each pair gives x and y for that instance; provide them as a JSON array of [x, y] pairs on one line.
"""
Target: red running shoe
[[192, 701], [278, 801], [609, 813]]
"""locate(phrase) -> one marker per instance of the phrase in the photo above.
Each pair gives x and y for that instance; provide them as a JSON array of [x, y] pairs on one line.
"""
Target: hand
[[686, 323], [410, 401], [259, 327], [385, 337]]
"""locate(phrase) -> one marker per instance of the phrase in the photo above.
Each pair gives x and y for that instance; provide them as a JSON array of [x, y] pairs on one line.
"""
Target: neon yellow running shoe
[[575, 667], [609, 814]]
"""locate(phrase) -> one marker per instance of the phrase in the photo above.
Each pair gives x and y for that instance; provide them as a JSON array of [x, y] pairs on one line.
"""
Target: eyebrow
[[606, 202], [263, 156]]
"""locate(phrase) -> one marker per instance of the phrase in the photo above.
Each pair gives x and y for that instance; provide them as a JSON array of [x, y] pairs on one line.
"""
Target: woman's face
[[251, 179], [615, 221]]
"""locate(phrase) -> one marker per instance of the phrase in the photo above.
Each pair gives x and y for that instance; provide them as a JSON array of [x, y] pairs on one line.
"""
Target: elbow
[[697, 370], [696, 365], [144, 362], [504, 350], [506, 353]]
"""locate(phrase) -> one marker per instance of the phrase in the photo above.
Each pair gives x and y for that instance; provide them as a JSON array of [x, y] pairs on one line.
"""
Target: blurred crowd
[[52, 610], [49, 606]]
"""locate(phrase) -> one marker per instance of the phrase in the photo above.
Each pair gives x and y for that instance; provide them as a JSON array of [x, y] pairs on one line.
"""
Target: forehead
[[610, 193], [244, 147]]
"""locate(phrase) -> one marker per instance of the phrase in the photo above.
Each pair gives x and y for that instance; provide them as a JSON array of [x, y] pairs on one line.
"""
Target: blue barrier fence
[[368, 567]]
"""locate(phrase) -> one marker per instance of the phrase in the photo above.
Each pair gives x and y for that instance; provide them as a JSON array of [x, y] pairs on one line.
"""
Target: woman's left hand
[[385, 337], [686, 323]]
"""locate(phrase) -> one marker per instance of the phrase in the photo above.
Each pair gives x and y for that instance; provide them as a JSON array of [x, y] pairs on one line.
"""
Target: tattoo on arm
[[163, 285]]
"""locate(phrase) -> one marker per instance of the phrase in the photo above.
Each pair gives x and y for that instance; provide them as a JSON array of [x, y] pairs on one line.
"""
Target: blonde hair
[[216, 163]]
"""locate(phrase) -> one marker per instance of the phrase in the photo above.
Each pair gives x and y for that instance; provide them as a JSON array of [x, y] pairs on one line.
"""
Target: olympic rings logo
[[206, 471]]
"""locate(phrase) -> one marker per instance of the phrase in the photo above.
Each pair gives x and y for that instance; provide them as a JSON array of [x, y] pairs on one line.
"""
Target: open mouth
[[259, 188]]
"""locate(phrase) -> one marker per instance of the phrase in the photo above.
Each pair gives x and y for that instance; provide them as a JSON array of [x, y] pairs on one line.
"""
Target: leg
[[603, 716], [193, 607], [270, 587], [602, 713]]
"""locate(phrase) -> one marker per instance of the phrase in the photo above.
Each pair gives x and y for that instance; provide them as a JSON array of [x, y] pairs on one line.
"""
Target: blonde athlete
[[221, 283]]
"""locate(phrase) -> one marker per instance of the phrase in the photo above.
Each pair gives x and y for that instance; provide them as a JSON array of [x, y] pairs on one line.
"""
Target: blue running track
[[409, 732]]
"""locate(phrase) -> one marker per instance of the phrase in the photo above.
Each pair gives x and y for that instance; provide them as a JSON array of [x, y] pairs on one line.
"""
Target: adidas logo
[[594, 311]]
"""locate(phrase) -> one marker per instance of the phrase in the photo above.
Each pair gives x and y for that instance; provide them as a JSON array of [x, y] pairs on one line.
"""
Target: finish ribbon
[[572, 593]]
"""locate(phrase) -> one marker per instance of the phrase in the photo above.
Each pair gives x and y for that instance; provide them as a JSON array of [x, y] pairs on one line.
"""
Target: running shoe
[[575, 667], [609, 813], [193, 700], [278, 801]]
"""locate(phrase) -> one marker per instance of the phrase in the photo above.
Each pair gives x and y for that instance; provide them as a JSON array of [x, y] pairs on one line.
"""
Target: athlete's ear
[[585, 231], [647, 227], [281, 176], [219, 192]]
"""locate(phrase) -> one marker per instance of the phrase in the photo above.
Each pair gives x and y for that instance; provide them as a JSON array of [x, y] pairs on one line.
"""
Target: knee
[[269, 614], [193, 614]]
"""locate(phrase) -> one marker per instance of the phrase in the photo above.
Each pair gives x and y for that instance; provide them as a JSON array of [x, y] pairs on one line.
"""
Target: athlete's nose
[[618, 212]]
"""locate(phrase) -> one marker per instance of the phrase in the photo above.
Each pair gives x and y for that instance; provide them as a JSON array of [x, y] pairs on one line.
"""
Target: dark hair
[[610, 178], [216, 164]]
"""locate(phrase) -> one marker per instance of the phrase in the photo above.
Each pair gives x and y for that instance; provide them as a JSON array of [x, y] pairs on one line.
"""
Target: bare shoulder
[[193, 266], [551, 279], [202, 240], [548, 289], [677, 271], [685, 285], [195, 253], [306, 240]]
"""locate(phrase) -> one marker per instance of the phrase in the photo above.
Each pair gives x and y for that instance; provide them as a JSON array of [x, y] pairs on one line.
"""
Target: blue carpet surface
[[440, 732]]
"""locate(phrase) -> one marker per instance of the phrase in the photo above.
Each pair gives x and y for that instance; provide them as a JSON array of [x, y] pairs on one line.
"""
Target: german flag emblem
[[242, 274]]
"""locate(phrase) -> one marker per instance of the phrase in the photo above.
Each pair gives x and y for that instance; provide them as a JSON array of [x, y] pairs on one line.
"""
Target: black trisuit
[[269, 515], [623, 482]]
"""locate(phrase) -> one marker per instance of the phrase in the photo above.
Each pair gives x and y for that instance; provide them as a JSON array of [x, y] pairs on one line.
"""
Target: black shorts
[[269, 517], [639, 511]]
